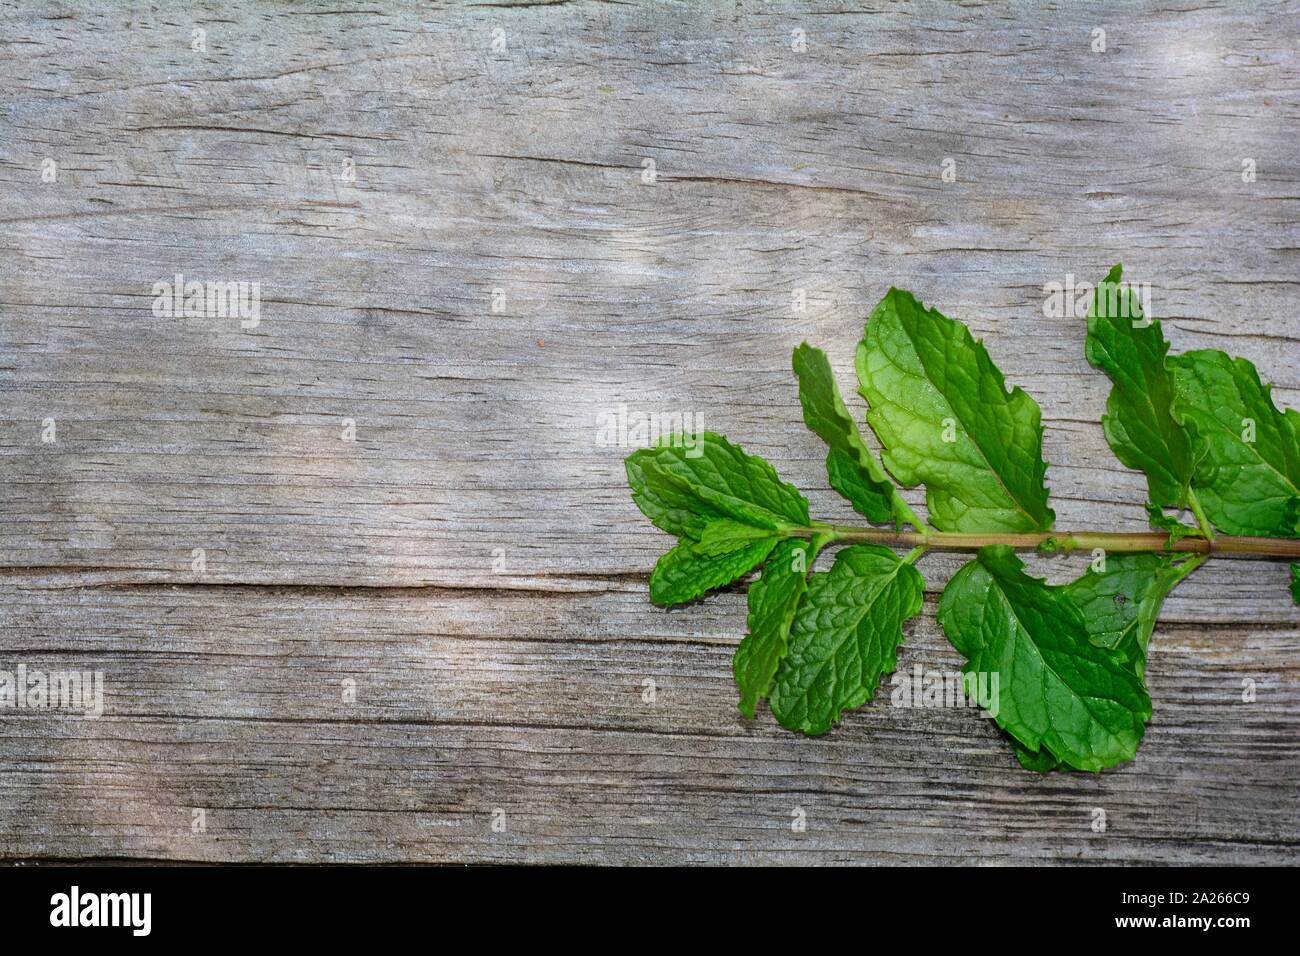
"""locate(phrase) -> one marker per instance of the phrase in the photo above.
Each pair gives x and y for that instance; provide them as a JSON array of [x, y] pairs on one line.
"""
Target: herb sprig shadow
[[1069, 660]]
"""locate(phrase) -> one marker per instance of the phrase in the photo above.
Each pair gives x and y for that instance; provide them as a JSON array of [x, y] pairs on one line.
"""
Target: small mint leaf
[[852, 467], [1248, 481], [663, 501], [773, 599], [1041, 761], [685, 572], [728, 509], [1120, 604], [1176, 529], [845, 636], [724, 536], [1139, 423], [682, 489]]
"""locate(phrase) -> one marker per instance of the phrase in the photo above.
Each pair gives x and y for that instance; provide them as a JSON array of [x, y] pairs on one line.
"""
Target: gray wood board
[[473, 560]]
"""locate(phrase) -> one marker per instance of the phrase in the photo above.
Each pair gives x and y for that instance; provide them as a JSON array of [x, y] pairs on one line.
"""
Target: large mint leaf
[[941, 409], [686, 572], [1139, 422], [681, 493], [1057, 690], [1249, 478], [853, 468], [773, 599], [1120, 604], [844, 637]]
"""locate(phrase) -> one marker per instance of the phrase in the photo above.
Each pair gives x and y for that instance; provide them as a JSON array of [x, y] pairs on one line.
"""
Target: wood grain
[[472, 560]]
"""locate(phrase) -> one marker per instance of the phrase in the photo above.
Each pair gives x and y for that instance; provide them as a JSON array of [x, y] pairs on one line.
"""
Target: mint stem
[[1201, 520], [1060, 541]]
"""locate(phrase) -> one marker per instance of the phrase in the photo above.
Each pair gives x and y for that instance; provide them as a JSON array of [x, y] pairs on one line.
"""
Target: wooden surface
[[472, 561]]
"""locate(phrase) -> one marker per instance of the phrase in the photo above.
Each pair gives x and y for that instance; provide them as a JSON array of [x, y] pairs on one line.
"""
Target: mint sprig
[[1069, 661]]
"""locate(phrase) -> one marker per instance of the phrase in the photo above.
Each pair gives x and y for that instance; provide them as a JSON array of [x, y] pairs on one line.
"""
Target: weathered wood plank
[[522, 171], [229, 700]]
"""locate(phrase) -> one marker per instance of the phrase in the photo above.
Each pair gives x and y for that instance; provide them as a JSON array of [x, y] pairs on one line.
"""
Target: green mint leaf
[[1139, 422], [1042, 761], [728, 509], [853, 468], [1177, 530], [1295, 583], [773, 599], [686, 572], [844, 637], [1120, 604], [1249, 478], [1056, 688], [663, 501], [683, 489], [724, 536], [941, 409]]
